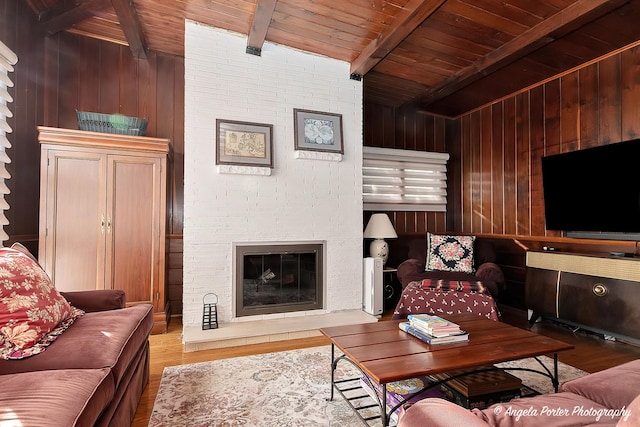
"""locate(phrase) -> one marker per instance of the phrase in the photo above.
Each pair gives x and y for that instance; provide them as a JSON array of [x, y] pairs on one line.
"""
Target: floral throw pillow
[[32, 312], [450, 253]]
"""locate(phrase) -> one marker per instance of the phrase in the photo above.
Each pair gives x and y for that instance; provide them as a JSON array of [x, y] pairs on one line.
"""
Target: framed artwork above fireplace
[[244, 143], [318, 131]]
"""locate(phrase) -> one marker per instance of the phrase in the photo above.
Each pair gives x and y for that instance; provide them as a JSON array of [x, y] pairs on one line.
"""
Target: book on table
[[433, 325], [460, 336]]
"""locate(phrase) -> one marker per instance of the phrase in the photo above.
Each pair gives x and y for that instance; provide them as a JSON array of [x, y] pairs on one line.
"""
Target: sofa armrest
[[614, 387], [98, 300], [410, 270], [435, 412], [490, 272]]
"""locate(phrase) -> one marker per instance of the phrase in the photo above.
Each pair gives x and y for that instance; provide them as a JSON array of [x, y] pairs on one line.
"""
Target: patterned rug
[[284, 389]]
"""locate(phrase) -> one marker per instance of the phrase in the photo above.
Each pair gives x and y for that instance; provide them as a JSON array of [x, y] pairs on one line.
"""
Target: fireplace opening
[[278, 278]]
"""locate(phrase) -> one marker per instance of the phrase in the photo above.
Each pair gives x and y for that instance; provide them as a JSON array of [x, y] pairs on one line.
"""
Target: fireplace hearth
[[278, 278]]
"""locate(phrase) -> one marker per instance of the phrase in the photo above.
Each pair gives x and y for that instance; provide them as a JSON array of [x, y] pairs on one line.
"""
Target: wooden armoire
[[103, 214]]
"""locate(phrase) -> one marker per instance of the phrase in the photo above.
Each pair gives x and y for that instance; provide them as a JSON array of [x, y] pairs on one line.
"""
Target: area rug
[[283, 389]]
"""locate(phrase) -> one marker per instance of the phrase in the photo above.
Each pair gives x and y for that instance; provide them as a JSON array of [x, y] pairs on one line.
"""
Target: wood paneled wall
[[56, 75], [406, 129], [497, 188], [18, 32], [495, 176]]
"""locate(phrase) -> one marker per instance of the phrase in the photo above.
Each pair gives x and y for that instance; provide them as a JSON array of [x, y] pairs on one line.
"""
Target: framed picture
[[317, 131], [244, 143]]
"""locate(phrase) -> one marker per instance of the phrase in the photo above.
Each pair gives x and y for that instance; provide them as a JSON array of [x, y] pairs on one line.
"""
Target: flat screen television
[[594, 190]]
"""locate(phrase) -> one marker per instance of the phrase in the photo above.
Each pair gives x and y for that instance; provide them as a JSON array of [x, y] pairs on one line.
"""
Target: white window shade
[[7, 60], [404, 180]]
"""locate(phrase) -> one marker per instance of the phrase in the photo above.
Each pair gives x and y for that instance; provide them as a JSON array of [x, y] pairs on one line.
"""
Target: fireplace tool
[[210, 311]]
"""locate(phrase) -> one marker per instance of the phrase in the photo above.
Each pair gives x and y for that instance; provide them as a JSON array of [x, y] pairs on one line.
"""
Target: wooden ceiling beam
[[260, 26], [547, 31], [131, 27], [412, 15], [69, 13], [35, 6]]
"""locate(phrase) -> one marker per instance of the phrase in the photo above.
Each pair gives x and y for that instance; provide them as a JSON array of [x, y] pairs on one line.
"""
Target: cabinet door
[[74, 207], [600, 302], [134, 218]]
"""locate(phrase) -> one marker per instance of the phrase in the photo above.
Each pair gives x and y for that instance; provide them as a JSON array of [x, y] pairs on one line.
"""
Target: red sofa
[[91, 375], [606, 398]]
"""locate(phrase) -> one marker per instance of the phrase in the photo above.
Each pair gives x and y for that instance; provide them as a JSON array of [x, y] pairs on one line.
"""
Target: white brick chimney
[[301, 200]]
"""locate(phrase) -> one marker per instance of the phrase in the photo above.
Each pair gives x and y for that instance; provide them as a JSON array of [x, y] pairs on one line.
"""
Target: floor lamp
[[379, 228]]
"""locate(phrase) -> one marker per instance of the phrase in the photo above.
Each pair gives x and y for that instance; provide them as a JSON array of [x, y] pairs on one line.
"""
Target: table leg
[[383, 409], [555, 379], [333, 369]]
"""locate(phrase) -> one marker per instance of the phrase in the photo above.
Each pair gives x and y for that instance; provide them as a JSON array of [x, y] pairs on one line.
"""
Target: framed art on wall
[[318, 131], [244, 143]]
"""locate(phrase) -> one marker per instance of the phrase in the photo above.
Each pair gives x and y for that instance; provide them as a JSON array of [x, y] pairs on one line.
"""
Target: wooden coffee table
[[387, 354]]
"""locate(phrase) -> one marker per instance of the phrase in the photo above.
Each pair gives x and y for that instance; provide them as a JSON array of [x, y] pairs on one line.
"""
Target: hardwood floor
[[591, 353]]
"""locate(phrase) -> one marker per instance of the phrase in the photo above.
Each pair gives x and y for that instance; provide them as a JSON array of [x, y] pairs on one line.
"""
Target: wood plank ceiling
[[447, 56]]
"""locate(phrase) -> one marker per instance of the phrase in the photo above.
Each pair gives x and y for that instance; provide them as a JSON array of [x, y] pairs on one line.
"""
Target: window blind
[[7, 60], [404, 180]]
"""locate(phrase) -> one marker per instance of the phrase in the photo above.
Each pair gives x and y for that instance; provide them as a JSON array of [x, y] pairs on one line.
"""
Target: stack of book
[[433, 329]]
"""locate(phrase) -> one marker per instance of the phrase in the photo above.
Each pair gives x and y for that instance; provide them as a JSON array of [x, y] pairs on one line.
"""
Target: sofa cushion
[[614, 387], [73, 397], [124, 405], [450, 253], [32, 312], [631, 417], [438, 412], [549, 410], [106, 339]]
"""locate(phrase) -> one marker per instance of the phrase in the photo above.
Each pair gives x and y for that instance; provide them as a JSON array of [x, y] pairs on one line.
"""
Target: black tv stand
[[591, 292]]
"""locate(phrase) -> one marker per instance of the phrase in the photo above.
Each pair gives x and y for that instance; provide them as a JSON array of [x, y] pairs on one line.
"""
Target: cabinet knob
[[600, 290]]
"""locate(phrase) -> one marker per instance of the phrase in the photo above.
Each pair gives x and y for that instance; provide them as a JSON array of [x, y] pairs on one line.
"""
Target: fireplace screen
[[278, 278]]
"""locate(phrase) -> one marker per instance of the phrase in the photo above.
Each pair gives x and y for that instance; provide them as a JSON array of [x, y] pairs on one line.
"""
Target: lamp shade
[[380, 227]]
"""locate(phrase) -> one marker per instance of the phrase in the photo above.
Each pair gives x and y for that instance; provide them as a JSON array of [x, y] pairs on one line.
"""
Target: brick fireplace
[[305, 198]]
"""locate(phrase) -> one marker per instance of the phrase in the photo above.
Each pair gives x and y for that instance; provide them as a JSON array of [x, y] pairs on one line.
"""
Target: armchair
[[419, 294], [486, 270]]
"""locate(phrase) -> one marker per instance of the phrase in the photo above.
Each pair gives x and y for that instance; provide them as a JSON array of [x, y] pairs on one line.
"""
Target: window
[[404, 180], [7, 60]]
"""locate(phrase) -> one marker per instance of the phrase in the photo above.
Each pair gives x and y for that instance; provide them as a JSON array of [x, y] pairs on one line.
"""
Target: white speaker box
[[372, 292]]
